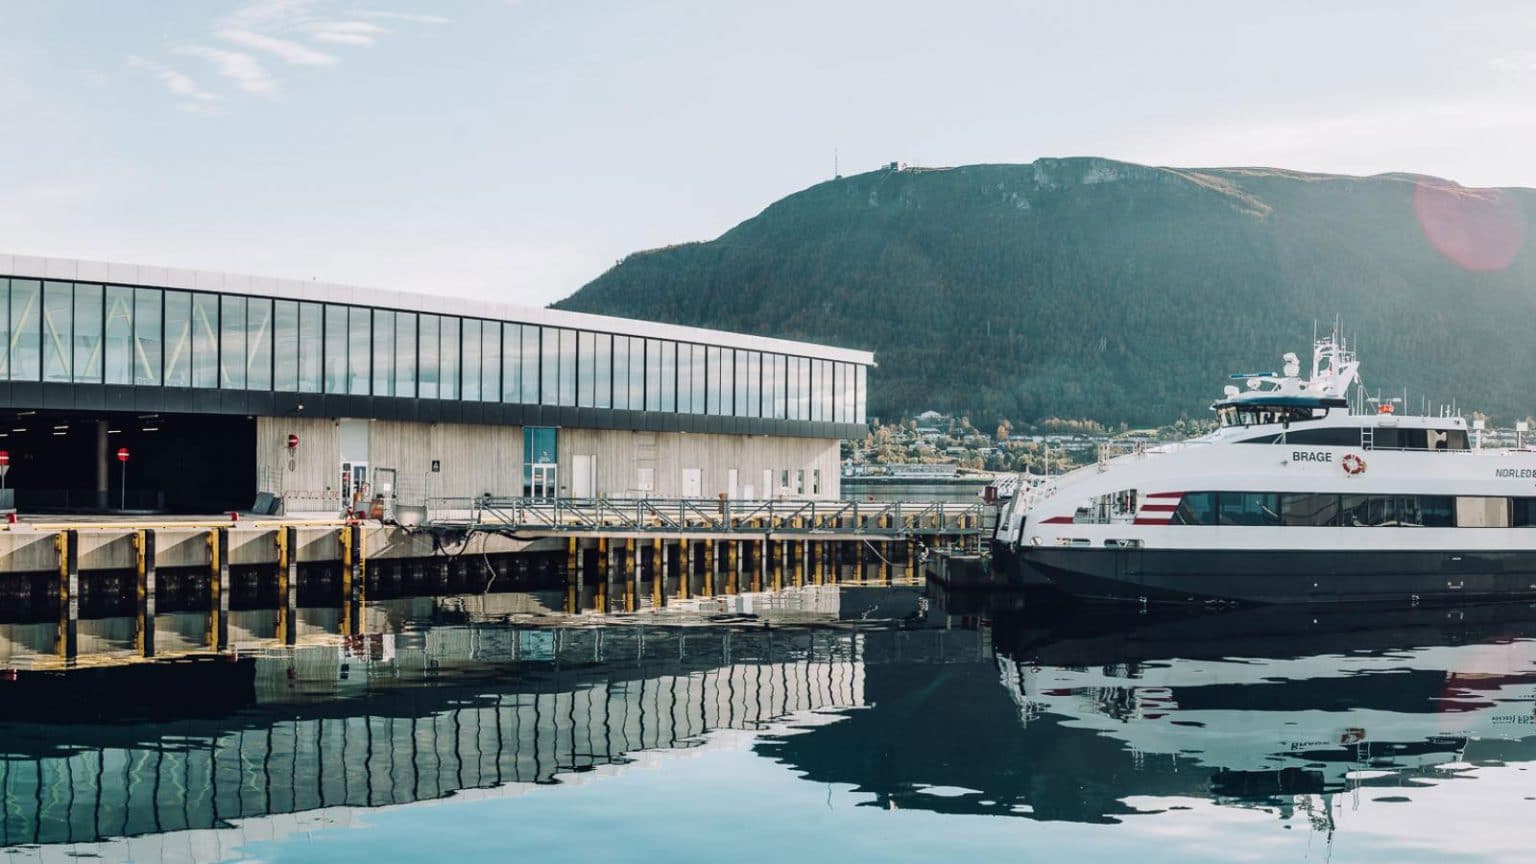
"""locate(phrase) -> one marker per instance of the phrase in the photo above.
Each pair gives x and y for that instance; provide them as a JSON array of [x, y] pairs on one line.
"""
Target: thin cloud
[[248, 74], [267, 14], [194, 97], [402, 16], [345, 32], [283, 49]]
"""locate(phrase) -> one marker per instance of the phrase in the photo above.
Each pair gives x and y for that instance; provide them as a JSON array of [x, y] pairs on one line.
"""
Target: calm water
[[834, 723]]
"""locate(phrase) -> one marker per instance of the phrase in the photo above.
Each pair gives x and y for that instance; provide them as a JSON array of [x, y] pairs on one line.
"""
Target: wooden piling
[[218, 588], [68, 545], [144, 592]]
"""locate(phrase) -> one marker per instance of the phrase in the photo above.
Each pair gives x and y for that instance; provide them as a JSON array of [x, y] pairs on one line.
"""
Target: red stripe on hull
[[1166, 495], [1152, 521], [1159, 508], [1058, 520]]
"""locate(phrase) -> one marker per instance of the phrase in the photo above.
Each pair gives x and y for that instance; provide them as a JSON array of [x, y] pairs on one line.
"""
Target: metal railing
[[703, 515]]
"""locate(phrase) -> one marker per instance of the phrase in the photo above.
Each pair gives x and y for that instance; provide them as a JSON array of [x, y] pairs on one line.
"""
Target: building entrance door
[[354, 486], [544, 476], [583, 475]]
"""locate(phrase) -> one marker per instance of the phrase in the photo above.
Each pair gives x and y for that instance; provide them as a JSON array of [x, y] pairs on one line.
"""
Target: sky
[[516, 150]]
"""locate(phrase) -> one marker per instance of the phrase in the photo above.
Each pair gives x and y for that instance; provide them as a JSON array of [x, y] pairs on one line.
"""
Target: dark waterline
[[857, 723]]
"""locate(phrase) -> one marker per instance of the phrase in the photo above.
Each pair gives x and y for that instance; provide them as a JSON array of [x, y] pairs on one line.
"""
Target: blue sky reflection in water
[[729, 803], [1248, 735]]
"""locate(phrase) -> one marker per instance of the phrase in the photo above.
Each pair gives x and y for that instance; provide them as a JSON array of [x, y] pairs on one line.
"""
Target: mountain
[[1091, 288]]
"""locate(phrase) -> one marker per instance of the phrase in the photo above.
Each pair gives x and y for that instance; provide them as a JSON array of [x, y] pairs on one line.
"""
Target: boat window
[[1263, 415], [1387, 511], [1479, 512], [1523, 513], [1309, 510], [1385, 438], [1333, 436], [1195, 508], [1249, 508]]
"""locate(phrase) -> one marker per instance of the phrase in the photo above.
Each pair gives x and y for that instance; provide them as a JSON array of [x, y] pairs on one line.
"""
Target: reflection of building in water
[[387, 720]]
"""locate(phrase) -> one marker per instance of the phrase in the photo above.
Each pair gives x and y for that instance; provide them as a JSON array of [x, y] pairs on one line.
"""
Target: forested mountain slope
[[1091, 288]]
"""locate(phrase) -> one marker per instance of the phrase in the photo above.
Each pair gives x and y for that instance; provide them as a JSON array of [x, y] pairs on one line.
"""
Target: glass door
[[544, 480], [354, 486]]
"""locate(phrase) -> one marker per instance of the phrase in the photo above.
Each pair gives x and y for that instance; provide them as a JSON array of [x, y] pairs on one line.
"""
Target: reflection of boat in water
[[1295, 498], [1101, 716], [1335, 704]]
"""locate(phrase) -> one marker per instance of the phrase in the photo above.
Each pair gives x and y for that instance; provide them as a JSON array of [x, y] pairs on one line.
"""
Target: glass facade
[[87, 333]]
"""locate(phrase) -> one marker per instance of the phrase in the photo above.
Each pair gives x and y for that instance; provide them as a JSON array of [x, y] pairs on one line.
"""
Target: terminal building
[[218, 387]]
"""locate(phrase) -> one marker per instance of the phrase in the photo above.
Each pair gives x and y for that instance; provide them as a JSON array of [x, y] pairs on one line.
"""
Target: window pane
[[148, 344], [603, 356], [285, 354], [567, 367], [383, 352], [636, 373], [796, 394], [861, 396], [232, 344], [685, 380], [739, 390], [5, 328], [780, 386], [621, 373], [1309, 509], [549, 366], [511, 363], [448, 358], [178, 339], [405, 354], [1436, 511], [530, 364], [58, 300], [120, 362], [258, 343], [817, 384], [205, 340], [805, 388], [586, 369], [1249, 508], [26, 341], [311, 347], [88, 333], [850, 392], [359, 351], [490, 361], [427, 347], [469, 377], [755, 385], [669, 376], [652, 375], [1195, 508], [828, 389], [335, 349], [714, 365]]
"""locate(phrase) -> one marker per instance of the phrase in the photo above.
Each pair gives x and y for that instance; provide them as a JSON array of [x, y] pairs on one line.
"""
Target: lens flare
[[1479, 229]]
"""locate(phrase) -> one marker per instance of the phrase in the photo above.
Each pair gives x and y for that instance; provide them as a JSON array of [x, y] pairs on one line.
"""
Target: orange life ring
[[1352, 464]]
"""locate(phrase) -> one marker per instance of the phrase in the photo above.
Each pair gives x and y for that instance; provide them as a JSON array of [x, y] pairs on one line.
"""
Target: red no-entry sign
[[5, 457], [122, 454]]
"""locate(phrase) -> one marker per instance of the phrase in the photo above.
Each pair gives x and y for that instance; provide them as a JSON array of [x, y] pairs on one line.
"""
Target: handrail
[[683, 515]]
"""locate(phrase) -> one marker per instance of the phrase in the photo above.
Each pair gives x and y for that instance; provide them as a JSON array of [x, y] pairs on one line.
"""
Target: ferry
[[1296, 497]]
